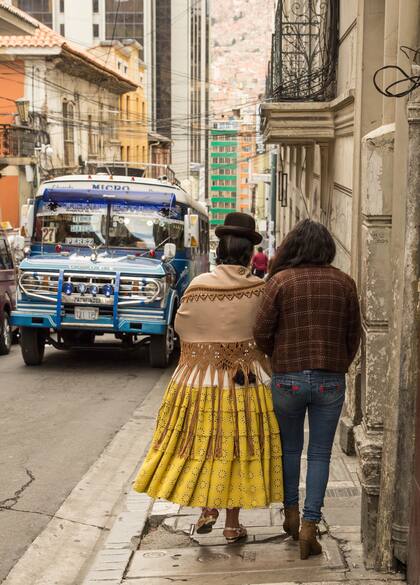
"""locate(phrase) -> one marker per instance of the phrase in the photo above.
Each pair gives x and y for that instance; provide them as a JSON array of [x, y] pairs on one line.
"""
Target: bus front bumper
[[103, 324]]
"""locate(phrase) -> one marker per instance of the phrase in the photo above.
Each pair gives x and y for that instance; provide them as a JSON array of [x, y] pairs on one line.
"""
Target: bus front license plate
[[86, 313]]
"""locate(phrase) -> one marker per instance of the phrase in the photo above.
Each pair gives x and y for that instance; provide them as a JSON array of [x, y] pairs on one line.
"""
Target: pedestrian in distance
[[260, 263], [309, 324], [216, 444]]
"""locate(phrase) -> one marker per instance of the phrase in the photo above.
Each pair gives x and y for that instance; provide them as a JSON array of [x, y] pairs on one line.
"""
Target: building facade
[[125, 57], [224, 169], [17, 140], [176, 45], [72, 102], [87, 23], [175, 36], [247, 152], [347, 154], [232, 149]]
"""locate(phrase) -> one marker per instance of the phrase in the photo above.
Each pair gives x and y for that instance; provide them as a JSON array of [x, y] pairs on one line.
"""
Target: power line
[[96, 102]]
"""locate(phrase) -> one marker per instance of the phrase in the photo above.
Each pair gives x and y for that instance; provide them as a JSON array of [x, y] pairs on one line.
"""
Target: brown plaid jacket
[[309, 318]]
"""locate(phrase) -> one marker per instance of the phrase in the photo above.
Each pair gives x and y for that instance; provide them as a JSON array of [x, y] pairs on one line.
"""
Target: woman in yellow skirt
[[216, 443]]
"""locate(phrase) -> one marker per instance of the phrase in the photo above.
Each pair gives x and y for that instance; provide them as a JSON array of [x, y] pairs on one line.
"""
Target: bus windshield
[[114, 225]]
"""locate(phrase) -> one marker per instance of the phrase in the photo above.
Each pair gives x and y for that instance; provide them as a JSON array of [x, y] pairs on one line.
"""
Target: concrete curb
[[61, 553], [124, 538]]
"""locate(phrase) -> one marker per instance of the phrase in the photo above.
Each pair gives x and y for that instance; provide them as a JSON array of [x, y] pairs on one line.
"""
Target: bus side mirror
[[191, 231], [169, 252]]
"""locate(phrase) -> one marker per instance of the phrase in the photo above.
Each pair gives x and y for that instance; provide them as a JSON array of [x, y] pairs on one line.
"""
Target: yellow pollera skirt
[[214, 447]]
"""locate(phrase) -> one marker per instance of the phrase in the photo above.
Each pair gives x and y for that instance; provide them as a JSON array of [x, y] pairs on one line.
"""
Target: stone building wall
[[348, 165]]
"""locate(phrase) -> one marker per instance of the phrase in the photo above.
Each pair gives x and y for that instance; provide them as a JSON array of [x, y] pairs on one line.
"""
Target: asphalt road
[[55, 421]]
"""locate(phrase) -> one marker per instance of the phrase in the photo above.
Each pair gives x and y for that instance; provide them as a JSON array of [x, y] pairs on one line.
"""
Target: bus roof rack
[[132, 169]]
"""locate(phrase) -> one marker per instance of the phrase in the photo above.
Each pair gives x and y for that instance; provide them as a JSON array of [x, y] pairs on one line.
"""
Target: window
[[68, 131], [177, 235], [92, 138], [95, 6], [5, 257], [61, 5], [39, 9], [95, 28], [124, 20], [62, 30], [204, 236]]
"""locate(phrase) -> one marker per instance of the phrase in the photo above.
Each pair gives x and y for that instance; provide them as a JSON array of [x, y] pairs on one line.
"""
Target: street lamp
[[22, 105]]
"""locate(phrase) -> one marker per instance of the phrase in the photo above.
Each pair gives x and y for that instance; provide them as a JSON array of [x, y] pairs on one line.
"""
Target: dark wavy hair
[[309, 242], [234, 250]]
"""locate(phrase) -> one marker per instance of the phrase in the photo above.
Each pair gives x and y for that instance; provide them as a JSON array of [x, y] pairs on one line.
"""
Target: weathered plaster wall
[[48, 87]]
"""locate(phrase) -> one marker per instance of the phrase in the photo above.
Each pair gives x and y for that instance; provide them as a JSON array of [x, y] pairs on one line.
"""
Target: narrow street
[[56, 421], [236, 184]]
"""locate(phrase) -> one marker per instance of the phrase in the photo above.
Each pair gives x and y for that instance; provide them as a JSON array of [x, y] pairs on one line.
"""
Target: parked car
[[7, 293]]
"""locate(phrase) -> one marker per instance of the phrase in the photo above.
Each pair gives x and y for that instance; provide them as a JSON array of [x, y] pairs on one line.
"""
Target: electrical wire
[[413, 80], [173, 121]]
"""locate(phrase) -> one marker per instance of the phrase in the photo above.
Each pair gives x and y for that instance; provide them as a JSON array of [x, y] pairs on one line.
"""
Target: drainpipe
[[273, 203]]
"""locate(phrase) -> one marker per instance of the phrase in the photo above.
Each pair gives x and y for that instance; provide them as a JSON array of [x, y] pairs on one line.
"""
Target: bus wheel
[[161, 348], [32, 344], [5, 334]]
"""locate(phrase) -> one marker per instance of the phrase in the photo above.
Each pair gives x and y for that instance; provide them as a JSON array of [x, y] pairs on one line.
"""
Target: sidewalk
[[153, 543]]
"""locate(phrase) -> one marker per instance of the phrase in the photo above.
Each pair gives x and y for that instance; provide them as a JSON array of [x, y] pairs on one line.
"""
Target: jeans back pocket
[[331, 389]]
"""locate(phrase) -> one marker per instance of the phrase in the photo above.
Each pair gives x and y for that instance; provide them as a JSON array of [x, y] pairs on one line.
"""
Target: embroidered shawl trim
[[212, 294]]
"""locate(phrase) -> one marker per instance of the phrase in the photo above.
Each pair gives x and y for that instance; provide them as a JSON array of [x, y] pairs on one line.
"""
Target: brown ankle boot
[[307, 540], [292, 521]]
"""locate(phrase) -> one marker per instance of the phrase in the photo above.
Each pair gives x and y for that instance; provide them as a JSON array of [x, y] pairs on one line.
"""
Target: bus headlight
[[151, 289]]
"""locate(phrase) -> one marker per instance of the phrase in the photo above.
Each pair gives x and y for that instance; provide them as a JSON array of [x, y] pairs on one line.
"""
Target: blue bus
[[108, 255]]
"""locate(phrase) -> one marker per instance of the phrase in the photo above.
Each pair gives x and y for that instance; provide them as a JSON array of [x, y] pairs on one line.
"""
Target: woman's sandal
[[241, 533], [206, 521]]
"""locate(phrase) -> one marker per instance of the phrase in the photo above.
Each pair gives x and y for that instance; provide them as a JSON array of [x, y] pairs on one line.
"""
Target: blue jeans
[[322, 394]]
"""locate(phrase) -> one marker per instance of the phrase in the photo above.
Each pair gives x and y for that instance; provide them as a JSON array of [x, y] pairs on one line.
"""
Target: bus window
[[177, 235], [204, 236]]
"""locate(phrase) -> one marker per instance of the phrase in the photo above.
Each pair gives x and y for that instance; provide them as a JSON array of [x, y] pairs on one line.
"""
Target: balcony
[[17, 144], [301, 81], [304, 51]]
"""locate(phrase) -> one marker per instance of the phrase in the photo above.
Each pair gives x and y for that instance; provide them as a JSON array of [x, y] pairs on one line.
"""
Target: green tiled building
[[223, 168]]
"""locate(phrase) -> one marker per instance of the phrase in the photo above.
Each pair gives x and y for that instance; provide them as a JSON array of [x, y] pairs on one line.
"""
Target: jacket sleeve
[[267, 318], [354, 323]]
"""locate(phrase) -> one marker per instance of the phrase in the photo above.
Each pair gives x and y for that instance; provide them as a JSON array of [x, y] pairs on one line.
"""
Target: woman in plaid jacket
[[309, 325]]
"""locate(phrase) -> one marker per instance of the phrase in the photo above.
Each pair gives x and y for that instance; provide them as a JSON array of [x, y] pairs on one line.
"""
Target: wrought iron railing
[[304, 51]]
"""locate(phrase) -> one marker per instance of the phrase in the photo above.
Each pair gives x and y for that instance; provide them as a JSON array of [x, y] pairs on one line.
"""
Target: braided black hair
[[234, 250]]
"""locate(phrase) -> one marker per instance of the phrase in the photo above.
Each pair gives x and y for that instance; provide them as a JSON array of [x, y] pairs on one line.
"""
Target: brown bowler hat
[[241, 225]]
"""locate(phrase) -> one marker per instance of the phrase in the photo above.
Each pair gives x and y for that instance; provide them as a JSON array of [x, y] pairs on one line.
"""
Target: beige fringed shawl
[[215, 323]]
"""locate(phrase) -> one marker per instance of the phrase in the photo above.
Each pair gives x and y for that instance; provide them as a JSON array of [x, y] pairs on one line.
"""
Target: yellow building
[[124, 56]]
